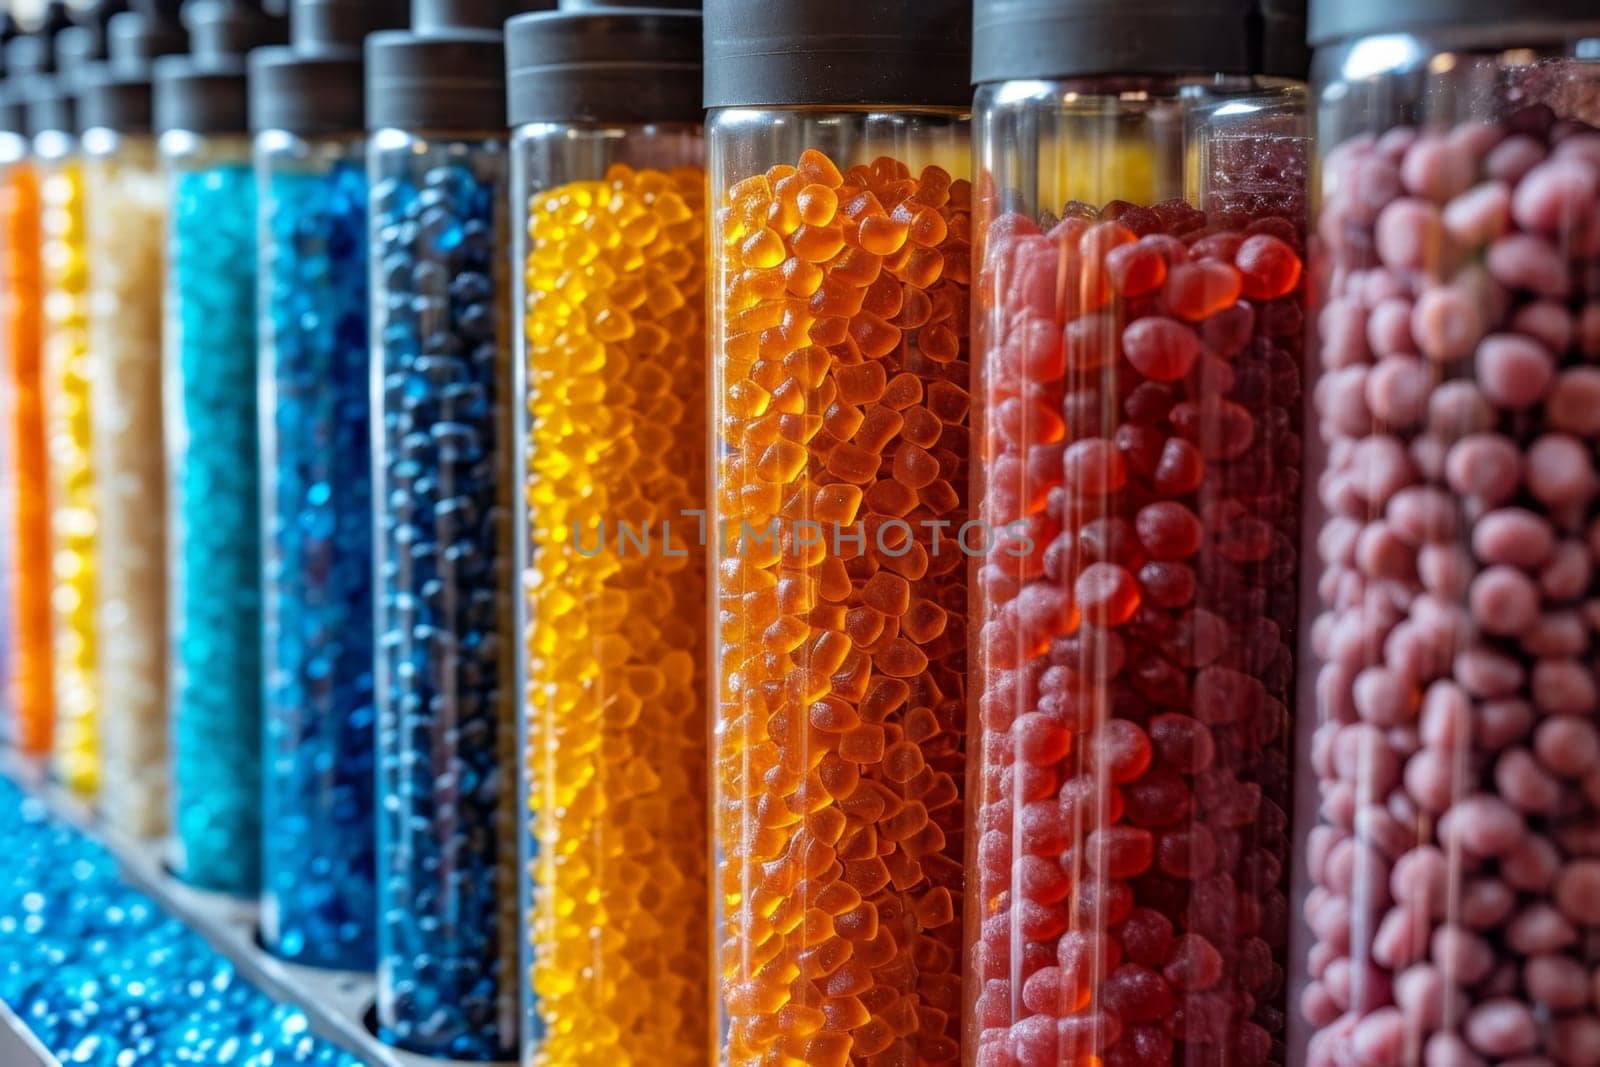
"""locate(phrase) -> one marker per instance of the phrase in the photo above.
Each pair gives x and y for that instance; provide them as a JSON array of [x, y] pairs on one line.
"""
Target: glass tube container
[[1451, 867], [214, 532], [125, 225], [839, 293], [29, 689], [437, 161], [73, 515], [608, 183], [1138, 316], [318, 826]]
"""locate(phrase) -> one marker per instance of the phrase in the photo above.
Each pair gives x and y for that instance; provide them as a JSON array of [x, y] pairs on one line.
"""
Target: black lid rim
[[1015, 40], [416, 81], [316, 93], [118, 102], [844, 53], [617, 65], [1531, 21]]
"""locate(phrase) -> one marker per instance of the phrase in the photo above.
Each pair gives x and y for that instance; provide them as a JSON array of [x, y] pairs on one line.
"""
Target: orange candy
[[841, 414], [20, 327]]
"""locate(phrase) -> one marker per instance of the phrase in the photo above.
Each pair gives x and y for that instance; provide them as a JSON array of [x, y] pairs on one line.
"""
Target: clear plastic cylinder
[[1450, 856], [67, 378], [1138, 317], [447, 898], [29, 682], [839, 296], [318, 892], [214, 507], [612, 445], [125, 219]]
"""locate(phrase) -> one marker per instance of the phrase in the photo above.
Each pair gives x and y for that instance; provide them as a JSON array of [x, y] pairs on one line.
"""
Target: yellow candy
[[73, 519], [616, 739]]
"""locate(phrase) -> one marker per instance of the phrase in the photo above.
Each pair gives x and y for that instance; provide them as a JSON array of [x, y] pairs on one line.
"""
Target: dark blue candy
[[216, 604], [319, 899], [448, 923]]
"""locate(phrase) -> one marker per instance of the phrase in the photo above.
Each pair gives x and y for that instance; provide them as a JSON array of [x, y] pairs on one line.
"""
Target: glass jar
[[29, 686], [125, 219], [445, 687], [1451, 861], [73, 515], [839, 386], [611, 439], [1136, 539], [318, 901], [839, 293], [214, 509]]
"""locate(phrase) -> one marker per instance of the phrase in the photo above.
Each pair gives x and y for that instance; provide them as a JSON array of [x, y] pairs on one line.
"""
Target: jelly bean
[[317, 787], [1152, 760], [1480, 921], [444, 691], [215, 535], [872, 660], [125, 221]]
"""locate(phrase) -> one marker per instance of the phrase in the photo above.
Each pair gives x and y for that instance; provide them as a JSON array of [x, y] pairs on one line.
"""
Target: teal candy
[[216, 604]]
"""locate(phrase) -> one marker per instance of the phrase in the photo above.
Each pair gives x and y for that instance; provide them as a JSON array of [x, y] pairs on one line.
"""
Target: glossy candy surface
[[1139, 410], [1453, 872], [125, 216], [29, 684], [215, 532], [318, 773], [840, 387], [447, 912], [102, 976], [616, 712], [73, 512]]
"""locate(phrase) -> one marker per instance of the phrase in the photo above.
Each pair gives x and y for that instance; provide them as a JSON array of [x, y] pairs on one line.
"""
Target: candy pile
[[103, 977], [838, 769], [1141, 478], [216, 536], [30, 700], [125, 222], [446, 786], [66, 382], [1456, 873], [616, 714], [319, 905]]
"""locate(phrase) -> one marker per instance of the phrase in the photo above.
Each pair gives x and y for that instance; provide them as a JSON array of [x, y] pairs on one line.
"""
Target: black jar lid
[[117, 94], [205, 90], [845, 53], [448, 72], [317, 84], [1335, 20], [1026, 39], [53, 102], [605, 63], [13, 113]]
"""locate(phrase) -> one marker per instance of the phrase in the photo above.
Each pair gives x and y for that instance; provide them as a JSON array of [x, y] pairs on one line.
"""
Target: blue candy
[[216, 604], [318, 904], [103, 976], [446, 884]]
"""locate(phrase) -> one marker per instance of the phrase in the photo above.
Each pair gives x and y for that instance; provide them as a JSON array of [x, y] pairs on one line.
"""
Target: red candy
[[1135, 814]]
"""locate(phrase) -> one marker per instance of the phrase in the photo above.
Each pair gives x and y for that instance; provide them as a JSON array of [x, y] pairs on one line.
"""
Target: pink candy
[[1460, 413]]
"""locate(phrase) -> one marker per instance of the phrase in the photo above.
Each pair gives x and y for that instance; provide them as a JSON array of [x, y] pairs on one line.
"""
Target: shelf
[[336, 1003]]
